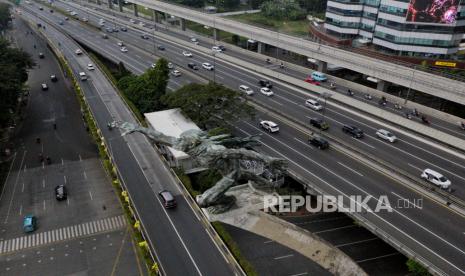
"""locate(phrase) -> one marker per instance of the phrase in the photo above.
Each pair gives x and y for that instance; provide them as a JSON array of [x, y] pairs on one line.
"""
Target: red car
[[312, 81]]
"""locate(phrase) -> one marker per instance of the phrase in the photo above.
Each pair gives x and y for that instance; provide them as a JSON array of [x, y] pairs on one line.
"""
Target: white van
[[82, 76], [245, 89], [313, 104], [435, 178]]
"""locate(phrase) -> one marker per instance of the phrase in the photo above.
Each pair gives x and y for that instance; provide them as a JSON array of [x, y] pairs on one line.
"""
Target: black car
[[53, 78], [265, 83], [167, 199], [51, 11], [123, 29], [353, 130], [41, 55], [40, 8], [318, 142], [319, 123], [222, 48], [61, 193], [161, 47], [144, 36], [193, 66]]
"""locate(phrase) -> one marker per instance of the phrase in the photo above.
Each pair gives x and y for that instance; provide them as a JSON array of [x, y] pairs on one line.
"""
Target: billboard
[[432, 11]]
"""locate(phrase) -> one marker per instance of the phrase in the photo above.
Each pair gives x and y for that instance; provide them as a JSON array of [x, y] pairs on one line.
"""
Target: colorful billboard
[[432, 11]]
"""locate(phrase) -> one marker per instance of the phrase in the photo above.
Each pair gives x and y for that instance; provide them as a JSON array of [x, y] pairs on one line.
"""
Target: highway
[[182, 244], [422, 231], [411, 154]]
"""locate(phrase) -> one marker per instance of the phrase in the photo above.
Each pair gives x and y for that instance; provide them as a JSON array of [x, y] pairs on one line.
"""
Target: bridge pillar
[[382, 85], [120, 5], [98, 2], [136, 12], [110, 4], [183, 24], [322, 66], [216, 34], [260, 47]]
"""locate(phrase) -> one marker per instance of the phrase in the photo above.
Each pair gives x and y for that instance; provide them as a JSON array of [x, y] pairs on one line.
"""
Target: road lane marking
[[22, 188], [366, 144], [85, 175], [43, 183], [90, 194], [379, 257], [303, 143], [276, 102], [356, 242], [270, 241], [44, 204], [349, 168], [64, 178], [299, 274], [335, 229], [14, 188], [415, 167], [283, 257], [21, 210], [8, 176]]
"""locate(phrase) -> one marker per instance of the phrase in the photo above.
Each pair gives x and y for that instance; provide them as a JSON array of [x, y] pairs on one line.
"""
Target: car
[[109, 30], [73, 13], [84, 19], [435, 178], [61, 192], [101, 20], [245, 89], [313, 104], [41, 55], [40, 8], [318, 142], [266, 91], [312, 81], [386, 135], [153, 65], [61, 22], [120, 43], [170, 65], [124, 49], [68, 10], [167, 199], [265, 83], [269, 126], [176, 73], [194, 40], [53, 78], [123, 29], [161, 47], [186, 54], [66, 18], [116, 29], [207, 66], [144, 36], [101, 24], [44, 86], [104, 36], [216, 49], [51, 11], [82, 76], [132, 20], [319, 123], [353, 130], [90, 67], [222, 48], [29, 223], [193, 66], [142, 24], [78, 52]]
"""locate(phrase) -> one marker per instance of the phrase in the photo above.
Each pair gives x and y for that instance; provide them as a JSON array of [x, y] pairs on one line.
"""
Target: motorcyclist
[[332, 85], [38, 140], [281, 65], [424, 119], [268, 60], [350, 92], [368, 96], [462, 124]]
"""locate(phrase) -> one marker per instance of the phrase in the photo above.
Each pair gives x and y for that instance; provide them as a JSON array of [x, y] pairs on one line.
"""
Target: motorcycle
[[381, 102], [350, 93], [268, 61], [425, 120], [41, 158], [332, 86], [462, 125], [49, 161], [397, 106], [38, 140], [281, 65], [408, 115], [368, 97]]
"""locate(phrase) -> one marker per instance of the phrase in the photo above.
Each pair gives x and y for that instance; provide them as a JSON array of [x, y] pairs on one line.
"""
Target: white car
[[153, 65], [313, 104], [207, 66], [194, 40], [245, 89], [186, 54], [269, 126], [266, 91], [120, 43], [78, 52], [435, 178], [132, 20], [386, 135], [124, 49], [84, 19], [170, 65], [90, 67], [102, 20], [142, 24], [176, 73], [217, 49]]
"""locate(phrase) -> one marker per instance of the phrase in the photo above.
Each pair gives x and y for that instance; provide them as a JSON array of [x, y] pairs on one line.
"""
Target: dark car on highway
[[318, 142], [353, 130], [265, 83], [41, 55], [319, 123], [53, 78], [61, 193], [193, 66], [167, 199], [161, 47]]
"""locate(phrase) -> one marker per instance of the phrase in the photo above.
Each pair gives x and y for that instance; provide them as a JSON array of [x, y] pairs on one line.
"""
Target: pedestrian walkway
[[62, 234]]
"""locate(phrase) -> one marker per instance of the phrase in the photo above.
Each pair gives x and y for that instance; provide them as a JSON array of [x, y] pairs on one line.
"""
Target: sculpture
[[222, 152]]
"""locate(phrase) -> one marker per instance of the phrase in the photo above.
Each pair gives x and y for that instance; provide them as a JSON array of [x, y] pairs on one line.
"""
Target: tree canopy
[[283, 9], [209, 105], [4, 15], [13, 73], [146, 90]]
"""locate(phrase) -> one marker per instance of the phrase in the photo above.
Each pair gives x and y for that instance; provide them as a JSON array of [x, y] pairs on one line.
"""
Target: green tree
[[255, 4], [229, 4], [121, 71], [283, 9], [209, 105], [5, 15], [191, 3], [416, 269], [313, 6]]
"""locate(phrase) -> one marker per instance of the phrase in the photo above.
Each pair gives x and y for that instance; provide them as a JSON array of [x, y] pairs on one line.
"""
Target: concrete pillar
[[98, 2], [110, 4], [183, 24], [216, 34], [136, 12], [120, 5], [322, 66], [260, 47], [382, 85]]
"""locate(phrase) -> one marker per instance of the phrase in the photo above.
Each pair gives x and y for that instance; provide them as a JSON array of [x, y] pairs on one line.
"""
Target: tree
[[191, 3], [416, 269], [313, 6], [229, 4], [283, 9], [209, 105], [5, 16], [255, 4], [121, 71]]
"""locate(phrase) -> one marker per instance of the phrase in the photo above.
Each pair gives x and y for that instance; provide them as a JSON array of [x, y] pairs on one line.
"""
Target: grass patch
[[298, 28], [234, 248]]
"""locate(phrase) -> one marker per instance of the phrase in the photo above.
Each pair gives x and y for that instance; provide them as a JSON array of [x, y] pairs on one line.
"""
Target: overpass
[[425, 82]]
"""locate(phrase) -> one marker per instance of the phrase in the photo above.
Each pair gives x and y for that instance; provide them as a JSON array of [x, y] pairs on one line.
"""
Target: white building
[[404, 27], [171, 122]]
